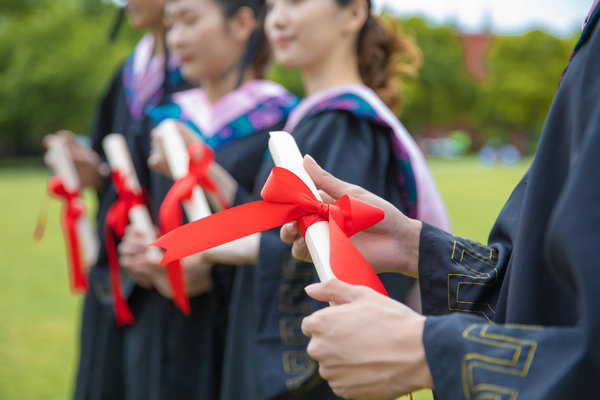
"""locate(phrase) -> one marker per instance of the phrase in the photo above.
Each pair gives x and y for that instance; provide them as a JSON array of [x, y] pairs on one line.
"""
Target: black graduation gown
[[266, 350], [528, 325], [100, 372], [107, 360], [188, 350]]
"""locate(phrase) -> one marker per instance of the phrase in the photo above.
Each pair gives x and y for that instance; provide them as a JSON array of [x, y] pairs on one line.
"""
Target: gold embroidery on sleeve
[[300, 365], [480, 264], [513, 356]]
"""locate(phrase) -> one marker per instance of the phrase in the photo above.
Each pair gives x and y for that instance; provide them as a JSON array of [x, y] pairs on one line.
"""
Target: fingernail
[[311, 288]]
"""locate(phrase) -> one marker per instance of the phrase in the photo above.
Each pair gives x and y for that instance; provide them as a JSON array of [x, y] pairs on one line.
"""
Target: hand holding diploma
[[189, 167], [368, 346], [391, 245], [82, 243], [163, 148], [129, 206], [287, 198], [91, 170], [135, 257]]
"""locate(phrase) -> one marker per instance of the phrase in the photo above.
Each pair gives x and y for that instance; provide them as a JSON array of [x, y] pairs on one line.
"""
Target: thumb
[[334, 291], [328, 183]]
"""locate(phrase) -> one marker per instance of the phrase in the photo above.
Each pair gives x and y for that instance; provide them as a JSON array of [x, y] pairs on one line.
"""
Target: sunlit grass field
[[40, 317]]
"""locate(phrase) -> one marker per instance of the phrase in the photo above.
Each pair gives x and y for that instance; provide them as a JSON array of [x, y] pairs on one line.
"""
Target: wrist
[[425, 380], [418, 375], [409, 241], [102, 173], [198, 279]]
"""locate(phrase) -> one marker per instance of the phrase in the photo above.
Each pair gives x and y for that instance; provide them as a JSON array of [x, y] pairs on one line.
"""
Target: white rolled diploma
[[198, 208], [286, 154], [178, 159], [118, 157], [63, 167]]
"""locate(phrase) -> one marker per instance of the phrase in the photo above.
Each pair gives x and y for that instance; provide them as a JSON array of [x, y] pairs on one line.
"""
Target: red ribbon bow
[[286, 198], [201, 157], [117, 220], [72, 210]]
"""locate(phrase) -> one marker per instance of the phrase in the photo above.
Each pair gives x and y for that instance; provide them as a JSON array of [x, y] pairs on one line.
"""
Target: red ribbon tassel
[[117, 220], [286, 198], [72, 210], [201, 158]]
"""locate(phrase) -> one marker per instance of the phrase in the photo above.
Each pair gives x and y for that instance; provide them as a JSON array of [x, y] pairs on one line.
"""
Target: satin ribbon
[[286, 198], [201, 158], [117, 220], [73, 209], [170, 217]]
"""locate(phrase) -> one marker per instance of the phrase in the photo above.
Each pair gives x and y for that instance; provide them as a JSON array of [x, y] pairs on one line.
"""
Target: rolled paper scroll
[[178, 159], [186, 192], [286, 198], [197, 207], [84, 243], [117, 155], [129, 207], [286, 154]]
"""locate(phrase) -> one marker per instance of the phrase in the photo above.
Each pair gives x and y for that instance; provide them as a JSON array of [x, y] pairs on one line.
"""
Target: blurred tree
[[55, 61], [524, 75], [52, 76], [20, 6], [443, 92]]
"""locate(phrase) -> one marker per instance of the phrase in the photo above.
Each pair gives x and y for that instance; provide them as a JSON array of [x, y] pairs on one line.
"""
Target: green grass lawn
[[40, 316]]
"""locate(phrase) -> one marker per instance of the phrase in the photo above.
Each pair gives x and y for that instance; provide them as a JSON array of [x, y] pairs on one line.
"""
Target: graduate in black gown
[[223, 50], [516, 318], [344, 124], [140, 84]]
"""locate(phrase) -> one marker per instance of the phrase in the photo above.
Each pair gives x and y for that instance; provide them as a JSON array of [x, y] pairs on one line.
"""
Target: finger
[[124, 260], [132, 245], [68, 135], [49, 161], [307, 326], [300, 250], [156, 136], [125, 249], [325, 198], [47, 140], [289, 232], [334, 291], [333, 186], [132, 231]]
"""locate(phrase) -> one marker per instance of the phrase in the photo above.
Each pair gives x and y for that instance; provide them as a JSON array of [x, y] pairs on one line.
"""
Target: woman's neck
[[338, 68], [159, 40], [217, 88]]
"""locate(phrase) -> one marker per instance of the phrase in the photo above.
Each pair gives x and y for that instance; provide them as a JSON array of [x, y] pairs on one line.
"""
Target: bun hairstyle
[[384, 57], [257, 53]]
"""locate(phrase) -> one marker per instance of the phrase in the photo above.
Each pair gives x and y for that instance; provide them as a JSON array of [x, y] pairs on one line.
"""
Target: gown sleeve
[[470, 358], [510, 361], [462, 275]]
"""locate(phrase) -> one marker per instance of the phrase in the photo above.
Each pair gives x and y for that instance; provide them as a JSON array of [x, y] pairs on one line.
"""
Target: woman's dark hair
[[257, 53], [384, 57]]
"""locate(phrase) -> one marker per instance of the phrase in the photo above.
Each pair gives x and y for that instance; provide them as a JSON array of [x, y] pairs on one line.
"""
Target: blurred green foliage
[[443, 93], [523, 75], [56, 60]]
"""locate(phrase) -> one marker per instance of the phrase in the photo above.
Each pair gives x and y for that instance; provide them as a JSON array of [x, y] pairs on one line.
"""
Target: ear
[[243, 24], [357, 13]]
